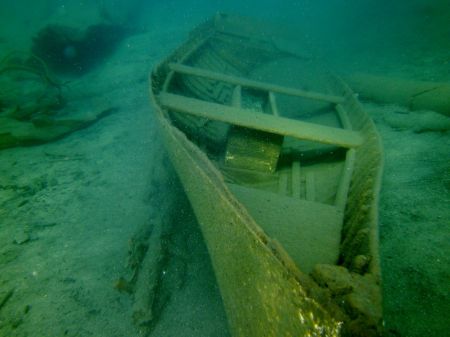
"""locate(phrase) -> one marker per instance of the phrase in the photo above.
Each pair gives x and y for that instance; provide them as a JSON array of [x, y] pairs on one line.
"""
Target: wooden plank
[[254, 84], [236, 98], [182, 59], [309, 231], [259, 121], [350, 157], [310, 186], [283, 183], [296, 180], [344, 183], [343, 117], [273, 104]]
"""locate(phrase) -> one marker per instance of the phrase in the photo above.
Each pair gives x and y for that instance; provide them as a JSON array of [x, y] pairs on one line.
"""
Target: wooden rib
[[343, 117], [236, 97], [198, 86], [168, 80], [310, 186], [262, 122], [273, 104], [254, 84], [283, 183], [344, 183], [296, 179], [350, 157], [194, 48]]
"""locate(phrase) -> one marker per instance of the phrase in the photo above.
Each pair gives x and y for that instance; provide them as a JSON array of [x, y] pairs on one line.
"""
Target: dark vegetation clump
[[72, 51]]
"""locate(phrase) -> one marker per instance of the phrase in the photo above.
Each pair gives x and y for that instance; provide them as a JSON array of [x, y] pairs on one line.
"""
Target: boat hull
[[263, 293], [266, 290]]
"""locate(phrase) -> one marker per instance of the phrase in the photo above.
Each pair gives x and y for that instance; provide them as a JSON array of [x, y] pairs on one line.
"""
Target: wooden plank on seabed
[[259, 121], [254, 84]]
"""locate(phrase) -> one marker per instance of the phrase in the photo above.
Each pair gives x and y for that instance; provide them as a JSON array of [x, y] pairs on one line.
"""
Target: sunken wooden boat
[[282, 167]]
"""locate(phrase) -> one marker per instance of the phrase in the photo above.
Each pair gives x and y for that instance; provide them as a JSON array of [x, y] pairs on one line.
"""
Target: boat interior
[[279, 130]]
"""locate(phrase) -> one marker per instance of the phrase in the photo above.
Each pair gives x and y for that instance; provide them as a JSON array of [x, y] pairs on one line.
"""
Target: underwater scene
[[224, 168]]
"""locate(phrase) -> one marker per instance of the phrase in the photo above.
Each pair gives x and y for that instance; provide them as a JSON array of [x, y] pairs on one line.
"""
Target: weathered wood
[[183, 58], [259, 121], [347, 171], [344, 183], [273, 104], [243, 213], [343, 117], [43, 129], [416, 95], [299, 225], [296, 179], [310, 186], [254, 84], [283, 183], [236, 97], [148, 279]]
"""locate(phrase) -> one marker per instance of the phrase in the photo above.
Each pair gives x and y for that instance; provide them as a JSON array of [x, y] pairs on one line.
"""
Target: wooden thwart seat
[[244, 82], [263, 122]]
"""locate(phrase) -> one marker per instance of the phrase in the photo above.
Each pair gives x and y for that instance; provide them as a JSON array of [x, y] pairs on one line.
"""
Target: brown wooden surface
[[244, 82], [259, 121]]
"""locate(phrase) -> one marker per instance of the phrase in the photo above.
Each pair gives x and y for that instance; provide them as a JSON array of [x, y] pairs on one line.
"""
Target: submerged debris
[[156, 268], [21, 237], [31, 99], [4, 298]]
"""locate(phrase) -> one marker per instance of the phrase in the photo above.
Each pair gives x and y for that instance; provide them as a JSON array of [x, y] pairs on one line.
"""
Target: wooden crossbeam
[[259, 121], [244, 82]]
